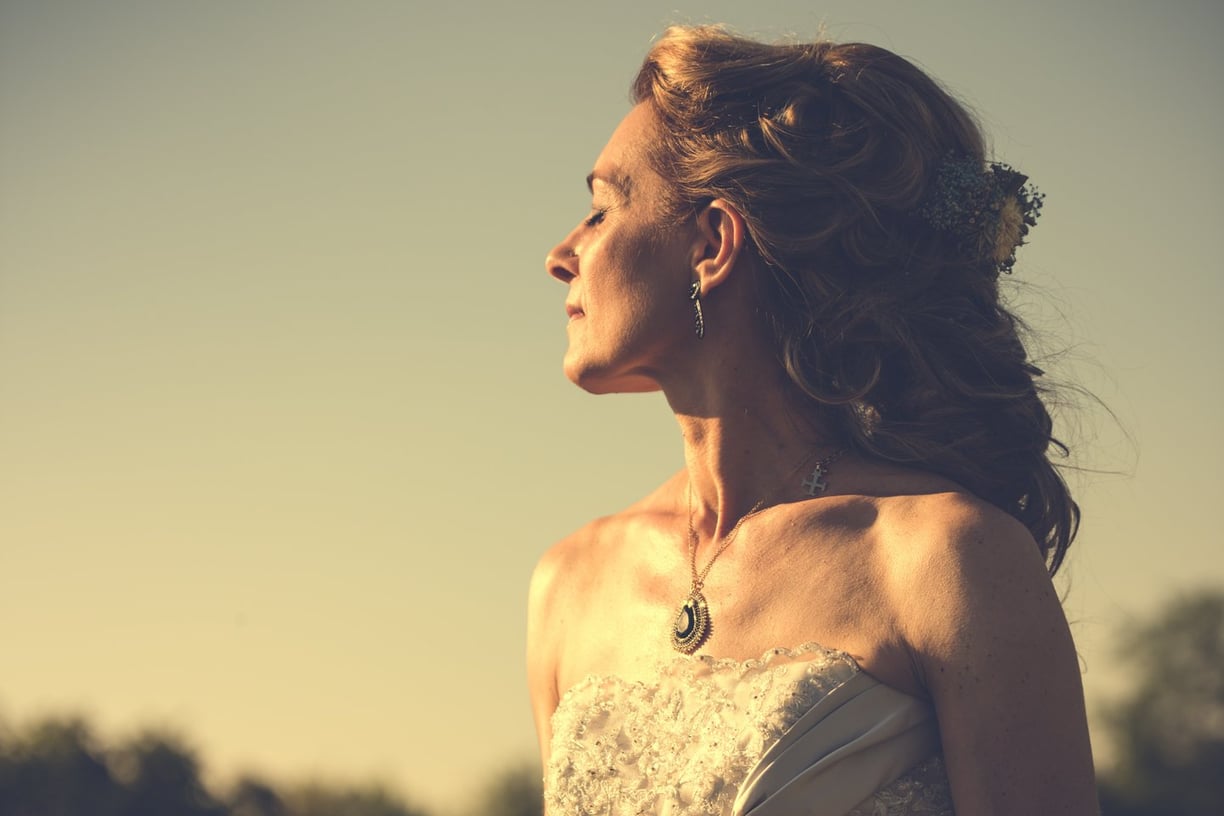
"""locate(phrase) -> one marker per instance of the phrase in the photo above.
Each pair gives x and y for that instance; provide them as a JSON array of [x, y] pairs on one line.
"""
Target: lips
[[573, 311]]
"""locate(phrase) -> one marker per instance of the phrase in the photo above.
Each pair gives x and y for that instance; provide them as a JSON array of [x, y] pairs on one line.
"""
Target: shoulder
[[562, 572], [553, 582], [577, 565], [578, 558], [928, 575], [567, 575], [988, 639], [956, 568], [600, 540], [946, 512], [952, 549]]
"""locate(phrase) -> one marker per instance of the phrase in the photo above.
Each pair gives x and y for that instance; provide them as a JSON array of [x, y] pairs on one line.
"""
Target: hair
[[892, 328]]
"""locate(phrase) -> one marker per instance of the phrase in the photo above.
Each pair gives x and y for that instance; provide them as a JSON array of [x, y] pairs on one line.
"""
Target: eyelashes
[[595, 218]]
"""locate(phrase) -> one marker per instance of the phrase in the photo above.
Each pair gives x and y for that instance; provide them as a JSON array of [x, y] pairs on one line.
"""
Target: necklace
[[692, 625]]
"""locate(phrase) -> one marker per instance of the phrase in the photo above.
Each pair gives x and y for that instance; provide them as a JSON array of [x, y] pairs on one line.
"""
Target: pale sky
[[283, 428]]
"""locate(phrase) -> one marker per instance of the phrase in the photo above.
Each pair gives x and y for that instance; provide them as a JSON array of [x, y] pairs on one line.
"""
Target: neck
[[745, 432], [744, 444]]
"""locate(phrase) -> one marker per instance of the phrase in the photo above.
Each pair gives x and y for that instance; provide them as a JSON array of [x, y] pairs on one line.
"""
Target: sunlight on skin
[[284, 426]]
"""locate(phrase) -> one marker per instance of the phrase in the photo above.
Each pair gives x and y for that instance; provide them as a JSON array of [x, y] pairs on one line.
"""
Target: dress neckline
[[675, 664], [811, 647]]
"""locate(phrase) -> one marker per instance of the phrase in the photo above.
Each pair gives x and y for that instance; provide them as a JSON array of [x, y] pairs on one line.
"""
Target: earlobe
[[721, 235]]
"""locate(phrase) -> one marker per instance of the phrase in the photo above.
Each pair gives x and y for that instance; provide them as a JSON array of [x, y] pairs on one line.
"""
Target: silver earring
[[698, 317]]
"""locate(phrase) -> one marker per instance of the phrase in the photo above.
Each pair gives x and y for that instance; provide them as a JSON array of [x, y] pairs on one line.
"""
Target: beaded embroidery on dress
[[715, 736]]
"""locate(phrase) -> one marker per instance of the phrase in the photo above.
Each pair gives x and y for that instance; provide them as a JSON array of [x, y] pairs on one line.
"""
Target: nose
[[562, 262]]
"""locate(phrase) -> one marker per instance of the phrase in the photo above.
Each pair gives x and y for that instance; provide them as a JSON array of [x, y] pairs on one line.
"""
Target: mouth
[[573, 312]]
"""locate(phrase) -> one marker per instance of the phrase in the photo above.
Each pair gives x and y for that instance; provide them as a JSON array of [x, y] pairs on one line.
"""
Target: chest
[[769, 591]]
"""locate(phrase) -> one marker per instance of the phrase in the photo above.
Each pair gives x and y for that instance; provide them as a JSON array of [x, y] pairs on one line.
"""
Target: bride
[[842, 603]]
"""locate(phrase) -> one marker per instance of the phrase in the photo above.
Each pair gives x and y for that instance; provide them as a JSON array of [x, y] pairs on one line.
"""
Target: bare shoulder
[[553, 581], [561, 559], [987, 635], [593, 546], [957, 534], [560, 574], [564, 589], [581, 563], [947, 555]]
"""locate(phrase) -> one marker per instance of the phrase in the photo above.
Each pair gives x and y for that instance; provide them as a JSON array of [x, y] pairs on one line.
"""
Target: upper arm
[[995, 652], [542, 623]]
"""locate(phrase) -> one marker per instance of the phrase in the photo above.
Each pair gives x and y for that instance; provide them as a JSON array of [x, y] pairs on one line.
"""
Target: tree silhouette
[[162, 776], [251, 797], [1169, 731], [370, 800], [56, 769], [517, 791]]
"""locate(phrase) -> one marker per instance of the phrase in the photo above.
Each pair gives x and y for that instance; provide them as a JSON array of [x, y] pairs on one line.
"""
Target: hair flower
[[990, 207]]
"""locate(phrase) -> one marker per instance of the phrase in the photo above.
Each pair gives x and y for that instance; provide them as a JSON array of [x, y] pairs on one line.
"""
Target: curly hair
[[892, 328]]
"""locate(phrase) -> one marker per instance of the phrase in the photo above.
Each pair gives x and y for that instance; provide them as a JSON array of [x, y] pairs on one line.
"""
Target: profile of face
[[628, 268]]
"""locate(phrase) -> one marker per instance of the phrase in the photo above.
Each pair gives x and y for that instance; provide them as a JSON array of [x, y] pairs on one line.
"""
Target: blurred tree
[[1169, 732], [162, 776], [251, 797], [328, 800], [56, 769], [517, 791]]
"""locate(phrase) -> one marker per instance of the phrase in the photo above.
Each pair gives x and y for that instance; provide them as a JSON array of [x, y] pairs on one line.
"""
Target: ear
[[721, 235]]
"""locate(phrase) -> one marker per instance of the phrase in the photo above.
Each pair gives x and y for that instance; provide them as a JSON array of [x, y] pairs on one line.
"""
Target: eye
[[595, 217]]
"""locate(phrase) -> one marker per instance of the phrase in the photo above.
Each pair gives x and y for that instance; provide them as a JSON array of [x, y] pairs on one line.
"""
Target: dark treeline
[[1168, 734], [1169, 730], [58, 767]]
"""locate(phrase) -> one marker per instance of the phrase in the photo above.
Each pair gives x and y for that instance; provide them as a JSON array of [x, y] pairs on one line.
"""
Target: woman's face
[[627, 265]]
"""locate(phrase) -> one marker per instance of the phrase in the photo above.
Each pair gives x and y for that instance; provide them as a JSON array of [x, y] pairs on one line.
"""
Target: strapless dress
[[799, 731]]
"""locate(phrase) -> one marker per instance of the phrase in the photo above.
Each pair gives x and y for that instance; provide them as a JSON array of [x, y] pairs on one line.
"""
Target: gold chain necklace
[[692, 625]]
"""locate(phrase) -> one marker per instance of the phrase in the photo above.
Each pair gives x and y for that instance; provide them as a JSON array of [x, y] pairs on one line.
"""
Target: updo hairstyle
[[885, 320]]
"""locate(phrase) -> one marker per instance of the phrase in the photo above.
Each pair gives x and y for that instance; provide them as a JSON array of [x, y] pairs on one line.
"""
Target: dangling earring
[[698, 318]]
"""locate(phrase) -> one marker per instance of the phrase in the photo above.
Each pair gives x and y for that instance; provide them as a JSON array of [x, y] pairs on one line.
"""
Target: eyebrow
[[617, 181]]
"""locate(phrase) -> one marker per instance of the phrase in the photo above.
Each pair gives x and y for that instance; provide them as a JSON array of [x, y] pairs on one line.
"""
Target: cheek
[[639, 277], [650, 311], [649, 267]]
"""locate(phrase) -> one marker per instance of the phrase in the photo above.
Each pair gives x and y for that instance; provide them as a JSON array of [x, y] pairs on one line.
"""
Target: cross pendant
[[816, 482]]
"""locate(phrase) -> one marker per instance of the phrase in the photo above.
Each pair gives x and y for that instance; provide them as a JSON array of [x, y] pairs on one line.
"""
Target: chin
[[593, 380]]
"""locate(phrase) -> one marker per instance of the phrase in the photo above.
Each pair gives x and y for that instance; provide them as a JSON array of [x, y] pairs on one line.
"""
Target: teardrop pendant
[[692, 624]]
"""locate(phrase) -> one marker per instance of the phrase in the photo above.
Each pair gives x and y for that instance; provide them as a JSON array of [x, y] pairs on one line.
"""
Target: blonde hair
[[892, 328]]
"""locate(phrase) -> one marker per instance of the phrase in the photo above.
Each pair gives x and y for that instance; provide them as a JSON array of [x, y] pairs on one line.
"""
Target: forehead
[[624, 160]]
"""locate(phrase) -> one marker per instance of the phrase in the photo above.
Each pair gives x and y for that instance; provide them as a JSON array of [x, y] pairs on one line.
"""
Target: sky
[[283, 428]]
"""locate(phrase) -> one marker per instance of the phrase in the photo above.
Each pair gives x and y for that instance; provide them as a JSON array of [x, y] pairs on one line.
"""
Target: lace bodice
[[729, 738]]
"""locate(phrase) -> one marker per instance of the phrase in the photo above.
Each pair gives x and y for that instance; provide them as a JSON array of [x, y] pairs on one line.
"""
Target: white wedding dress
[[799, 732]]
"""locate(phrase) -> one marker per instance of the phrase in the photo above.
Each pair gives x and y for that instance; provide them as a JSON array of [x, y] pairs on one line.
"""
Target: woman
[[842, 603]]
